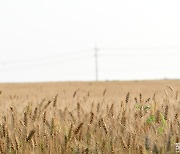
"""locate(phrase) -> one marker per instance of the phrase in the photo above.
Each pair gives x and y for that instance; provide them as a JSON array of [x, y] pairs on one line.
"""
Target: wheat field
[[134, 117]]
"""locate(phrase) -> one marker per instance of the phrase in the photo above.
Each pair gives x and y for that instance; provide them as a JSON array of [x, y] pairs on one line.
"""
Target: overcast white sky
[[53, 40]]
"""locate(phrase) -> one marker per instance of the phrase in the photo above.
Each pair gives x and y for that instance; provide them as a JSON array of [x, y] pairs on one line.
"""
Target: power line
[[38, 63], [24, 63], [124, 55], [47, 58], [141, 48], [98, 52]]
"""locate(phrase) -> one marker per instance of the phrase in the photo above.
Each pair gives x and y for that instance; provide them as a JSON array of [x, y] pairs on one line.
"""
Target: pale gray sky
[[53, 40]]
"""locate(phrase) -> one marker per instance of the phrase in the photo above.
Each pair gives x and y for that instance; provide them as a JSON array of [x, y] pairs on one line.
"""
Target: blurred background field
[[115, 89]]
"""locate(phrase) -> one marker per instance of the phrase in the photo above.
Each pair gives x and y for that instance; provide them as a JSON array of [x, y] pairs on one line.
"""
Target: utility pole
[[96, 61]]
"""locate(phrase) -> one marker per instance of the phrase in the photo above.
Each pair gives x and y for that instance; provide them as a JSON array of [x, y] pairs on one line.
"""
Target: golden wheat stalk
[[32, 132], [74, 95], [48, 103], [76, 131], [55, 100]]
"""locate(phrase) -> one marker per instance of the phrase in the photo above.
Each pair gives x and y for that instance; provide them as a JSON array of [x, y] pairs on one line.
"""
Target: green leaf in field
[[138, 106], [151, 119], [147, 107], [163, 120], [160, 130]]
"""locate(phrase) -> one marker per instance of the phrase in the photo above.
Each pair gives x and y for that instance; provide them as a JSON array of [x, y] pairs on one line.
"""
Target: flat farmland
[[90, 117], [95, 89]]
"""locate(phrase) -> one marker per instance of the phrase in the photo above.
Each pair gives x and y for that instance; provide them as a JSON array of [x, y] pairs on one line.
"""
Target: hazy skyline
[[54, 40]]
